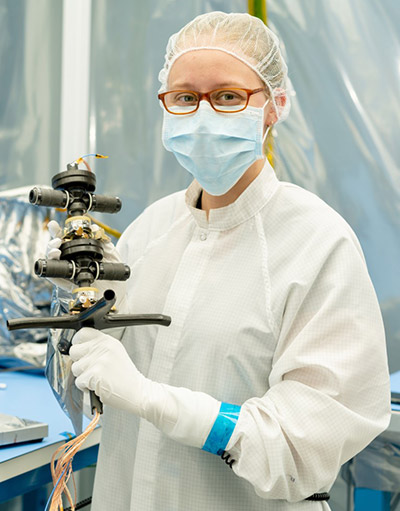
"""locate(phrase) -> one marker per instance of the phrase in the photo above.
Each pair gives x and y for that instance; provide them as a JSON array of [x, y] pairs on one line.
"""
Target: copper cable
[[61, 469]]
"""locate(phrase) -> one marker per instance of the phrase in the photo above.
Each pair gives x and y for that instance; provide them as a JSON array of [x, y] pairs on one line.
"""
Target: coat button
[[203, 236]]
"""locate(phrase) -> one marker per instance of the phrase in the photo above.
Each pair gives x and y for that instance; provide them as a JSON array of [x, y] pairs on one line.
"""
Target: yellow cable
[[107, 229]]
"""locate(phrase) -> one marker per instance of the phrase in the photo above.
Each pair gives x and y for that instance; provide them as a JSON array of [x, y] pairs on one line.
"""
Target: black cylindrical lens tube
[[48, 197], [114, 271], [104, 204], [53, 268]]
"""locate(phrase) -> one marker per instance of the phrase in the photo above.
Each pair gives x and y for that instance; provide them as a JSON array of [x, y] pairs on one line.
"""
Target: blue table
[[26, 467], [366, 499]]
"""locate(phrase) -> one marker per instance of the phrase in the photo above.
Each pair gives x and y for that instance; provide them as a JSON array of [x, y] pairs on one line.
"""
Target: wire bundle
[[81, 159], [61, 469]]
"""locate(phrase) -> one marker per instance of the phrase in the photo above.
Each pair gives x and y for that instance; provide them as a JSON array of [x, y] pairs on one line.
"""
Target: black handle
[[95, 403], [97, 316]]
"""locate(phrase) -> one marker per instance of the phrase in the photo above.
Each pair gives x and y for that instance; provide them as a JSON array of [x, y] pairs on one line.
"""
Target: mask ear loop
[[266, 134], [268, 127]]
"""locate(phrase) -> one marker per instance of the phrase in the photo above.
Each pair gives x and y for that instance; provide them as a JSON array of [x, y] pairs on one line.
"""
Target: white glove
[[102, 364], [110, 256], [53, 252]]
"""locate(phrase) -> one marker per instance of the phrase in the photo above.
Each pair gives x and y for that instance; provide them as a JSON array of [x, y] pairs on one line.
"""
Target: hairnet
[[243, 36]]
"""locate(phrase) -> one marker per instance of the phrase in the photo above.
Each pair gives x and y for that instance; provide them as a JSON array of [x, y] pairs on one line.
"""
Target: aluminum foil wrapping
[[23, 239]]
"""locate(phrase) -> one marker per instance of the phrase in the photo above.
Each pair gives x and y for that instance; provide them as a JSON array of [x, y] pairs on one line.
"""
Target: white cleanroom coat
[[272, 308]]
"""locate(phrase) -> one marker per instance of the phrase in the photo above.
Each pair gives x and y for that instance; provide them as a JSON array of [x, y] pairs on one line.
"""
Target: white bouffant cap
[[243, 36]]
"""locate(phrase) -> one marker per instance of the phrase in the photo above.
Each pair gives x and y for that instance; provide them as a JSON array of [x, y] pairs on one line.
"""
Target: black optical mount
[[81, 261]]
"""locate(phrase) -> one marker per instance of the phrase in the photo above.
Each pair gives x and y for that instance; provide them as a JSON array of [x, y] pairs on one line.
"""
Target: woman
[[275, 358]]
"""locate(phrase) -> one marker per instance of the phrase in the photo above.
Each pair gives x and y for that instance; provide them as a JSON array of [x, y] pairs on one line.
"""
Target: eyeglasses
[[182, 102]]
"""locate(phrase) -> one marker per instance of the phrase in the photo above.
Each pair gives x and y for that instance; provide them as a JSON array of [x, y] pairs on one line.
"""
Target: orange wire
[[61, 469], [86, 164], [96, 155]]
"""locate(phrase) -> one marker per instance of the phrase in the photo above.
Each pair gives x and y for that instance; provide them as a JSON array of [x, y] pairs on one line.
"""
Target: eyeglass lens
[[223, 99]]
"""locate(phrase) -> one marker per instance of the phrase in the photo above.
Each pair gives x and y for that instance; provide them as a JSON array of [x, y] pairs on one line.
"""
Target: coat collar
[[248, 204]]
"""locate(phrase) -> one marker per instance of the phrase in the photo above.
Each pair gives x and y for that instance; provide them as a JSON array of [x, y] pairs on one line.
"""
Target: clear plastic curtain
[[341, 140], [30, 53], [30, 67]]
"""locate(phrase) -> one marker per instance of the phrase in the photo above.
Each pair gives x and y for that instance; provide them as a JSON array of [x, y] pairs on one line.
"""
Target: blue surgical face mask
[[215, 148]]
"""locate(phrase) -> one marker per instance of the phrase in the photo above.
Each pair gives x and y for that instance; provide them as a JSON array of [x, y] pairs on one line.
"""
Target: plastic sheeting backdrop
[[30, 70], [340, 140]]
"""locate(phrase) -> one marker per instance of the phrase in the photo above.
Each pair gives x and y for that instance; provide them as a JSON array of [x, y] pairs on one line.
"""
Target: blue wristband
[[222, 429]]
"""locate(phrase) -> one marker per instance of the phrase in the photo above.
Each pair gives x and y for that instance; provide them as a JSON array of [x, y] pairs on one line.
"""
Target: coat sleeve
[[329, 392]]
